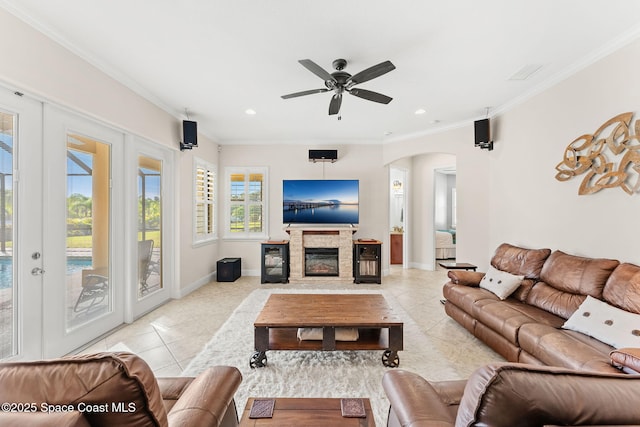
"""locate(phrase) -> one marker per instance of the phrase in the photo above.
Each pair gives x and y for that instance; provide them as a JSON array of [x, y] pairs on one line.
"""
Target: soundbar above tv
[[320, 201]]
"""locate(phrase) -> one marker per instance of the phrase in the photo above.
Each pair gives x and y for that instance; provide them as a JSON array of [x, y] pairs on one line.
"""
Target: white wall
[[529, 206], [41, 68], [511, 195], [197, 263], [363, 162]]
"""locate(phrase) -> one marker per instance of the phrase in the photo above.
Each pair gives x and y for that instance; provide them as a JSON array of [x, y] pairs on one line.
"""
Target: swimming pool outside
[[74, 265]]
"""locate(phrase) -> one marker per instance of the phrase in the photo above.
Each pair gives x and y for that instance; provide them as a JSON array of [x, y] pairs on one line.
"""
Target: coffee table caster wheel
[[258, 360], [390, 359]]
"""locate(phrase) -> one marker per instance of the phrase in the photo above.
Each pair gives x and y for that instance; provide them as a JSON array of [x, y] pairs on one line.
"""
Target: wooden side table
[[312, 412], [457, 266]]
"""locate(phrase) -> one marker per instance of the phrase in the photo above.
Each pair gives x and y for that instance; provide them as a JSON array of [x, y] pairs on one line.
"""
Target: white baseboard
[[255, 273], [422, 266], [197, 284], [211, 277]]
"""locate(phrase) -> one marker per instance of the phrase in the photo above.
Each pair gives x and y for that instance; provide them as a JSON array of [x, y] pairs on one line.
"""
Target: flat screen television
[[320, 201]]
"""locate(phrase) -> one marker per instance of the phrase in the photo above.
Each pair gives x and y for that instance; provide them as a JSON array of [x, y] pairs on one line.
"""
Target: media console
[[338, 257]]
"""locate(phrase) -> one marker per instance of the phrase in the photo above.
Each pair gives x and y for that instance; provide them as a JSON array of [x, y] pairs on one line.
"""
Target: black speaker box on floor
[[323, 155], [228, 269]]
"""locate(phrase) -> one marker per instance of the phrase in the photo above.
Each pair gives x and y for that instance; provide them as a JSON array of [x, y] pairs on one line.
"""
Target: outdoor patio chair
[[94, 290], [145, 265]]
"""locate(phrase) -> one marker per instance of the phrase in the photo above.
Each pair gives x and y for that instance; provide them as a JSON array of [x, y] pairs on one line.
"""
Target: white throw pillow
[[606, 323], [500, 282], [315, 334]]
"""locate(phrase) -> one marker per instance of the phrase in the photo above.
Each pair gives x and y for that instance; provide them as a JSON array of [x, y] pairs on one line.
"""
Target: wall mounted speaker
[[190, 133], [323, 156], [482, 130]]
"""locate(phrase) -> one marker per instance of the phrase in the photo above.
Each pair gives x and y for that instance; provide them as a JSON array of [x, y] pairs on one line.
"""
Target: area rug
[[315, 373]]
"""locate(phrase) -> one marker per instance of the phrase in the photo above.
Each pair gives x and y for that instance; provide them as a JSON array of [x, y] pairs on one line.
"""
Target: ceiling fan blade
[[316, 69], [371, 96], [371, 73], [304, 92], [334, 105]]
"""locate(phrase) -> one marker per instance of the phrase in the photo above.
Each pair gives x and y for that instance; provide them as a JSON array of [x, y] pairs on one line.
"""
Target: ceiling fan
[[340, 82]]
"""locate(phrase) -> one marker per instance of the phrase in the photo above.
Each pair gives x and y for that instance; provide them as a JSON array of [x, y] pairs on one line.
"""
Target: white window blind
[[246, 203], [204, 203]]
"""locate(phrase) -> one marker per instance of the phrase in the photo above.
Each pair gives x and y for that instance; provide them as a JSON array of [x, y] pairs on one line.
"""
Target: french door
[[84, 228], [21, 210], [83, 231], [153, 225]]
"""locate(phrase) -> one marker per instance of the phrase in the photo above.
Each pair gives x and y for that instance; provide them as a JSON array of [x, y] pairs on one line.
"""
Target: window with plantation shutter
[[204, 202], [246, 203]]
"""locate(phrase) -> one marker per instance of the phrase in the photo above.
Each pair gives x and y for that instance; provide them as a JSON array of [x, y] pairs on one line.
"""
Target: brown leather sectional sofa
[[113, 389], [526, 326], [514, 395]]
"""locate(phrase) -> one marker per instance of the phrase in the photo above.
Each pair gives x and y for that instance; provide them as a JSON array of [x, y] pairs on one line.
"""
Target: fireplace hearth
[[321, 262]]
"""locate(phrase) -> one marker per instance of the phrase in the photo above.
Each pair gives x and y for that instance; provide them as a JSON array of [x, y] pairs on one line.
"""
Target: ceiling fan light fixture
[[340, 82]]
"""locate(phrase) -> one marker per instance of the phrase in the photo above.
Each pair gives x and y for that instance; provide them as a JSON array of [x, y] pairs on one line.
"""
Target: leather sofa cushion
[[418, 402], [520, 261], [577, 275], [555, 301], [623, 288], [506, 317], [171, 389], [501, 317], [43, 419], [507, 395], [566, 280], [96, 379], [466, 297], [569, 349]]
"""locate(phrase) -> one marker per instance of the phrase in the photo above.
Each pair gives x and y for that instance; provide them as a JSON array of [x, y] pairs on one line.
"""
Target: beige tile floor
[[170, 336]]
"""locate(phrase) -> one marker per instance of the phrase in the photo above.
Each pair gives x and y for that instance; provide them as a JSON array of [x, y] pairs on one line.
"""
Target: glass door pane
[[149, 225], [88, 263], [8, 324]]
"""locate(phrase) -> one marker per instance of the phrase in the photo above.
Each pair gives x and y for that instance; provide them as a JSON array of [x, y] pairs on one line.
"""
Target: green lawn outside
[[85, 241]]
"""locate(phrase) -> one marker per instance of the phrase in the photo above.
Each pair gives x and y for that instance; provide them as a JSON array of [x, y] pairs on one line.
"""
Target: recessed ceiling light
[[387, 133], [250, 111], [420, 111]]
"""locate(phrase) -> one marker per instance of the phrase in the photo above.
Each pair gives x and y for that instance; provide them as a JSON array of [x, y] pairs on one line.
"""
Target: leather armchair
[[514, 395], [113, 389]]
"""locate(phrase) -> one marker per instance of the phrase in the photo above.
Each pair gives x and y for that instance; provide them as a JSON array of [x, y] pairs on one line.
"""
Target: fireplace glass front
[[321, 261]]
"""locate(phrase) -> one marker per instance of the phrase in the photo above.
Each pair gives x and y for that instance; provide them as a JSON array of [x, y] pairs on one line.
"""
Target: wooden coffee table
[[276, 326], [308, 412]]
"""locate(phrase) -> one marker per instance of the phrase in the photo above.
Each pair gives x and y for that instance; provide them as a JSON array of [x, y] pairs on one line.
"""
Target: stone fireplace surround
[[321, 236]]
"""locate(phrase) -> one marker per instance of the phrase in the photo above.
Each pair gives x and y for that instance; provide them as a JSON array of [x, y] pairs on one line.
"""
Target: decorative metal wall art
[[589, 154]]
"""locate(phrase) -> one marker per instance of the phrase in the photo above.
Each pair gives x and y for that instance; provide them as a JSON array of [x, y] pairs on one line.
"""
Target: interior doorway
[[398, 216], [445, 214]]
